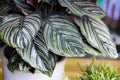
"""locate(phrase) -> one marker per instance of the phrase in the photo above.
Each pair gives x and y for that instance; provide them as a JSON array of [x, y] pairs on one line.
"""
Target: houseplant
[[37, 31]]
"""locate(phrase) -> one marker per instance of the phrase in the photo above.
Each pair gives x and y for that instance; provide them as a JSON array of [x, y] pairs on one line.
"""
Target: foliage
[[65, 77], [40, 31], [99, 72]]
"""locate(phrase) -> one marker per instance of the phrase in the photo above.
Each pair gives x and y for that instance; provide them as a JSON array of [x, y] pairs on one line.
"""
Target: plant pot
[[19, 75]]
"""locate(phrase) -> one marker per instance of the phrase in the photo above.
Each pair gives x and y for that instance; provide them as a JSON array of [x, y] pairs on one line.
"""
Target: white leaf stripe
[[20, 33], [73, 8], [97, 35], [4, 8], [30, 56], [16, 61], [24, 66], [24, 6], [82, 8], [62, 37], [36, 54]]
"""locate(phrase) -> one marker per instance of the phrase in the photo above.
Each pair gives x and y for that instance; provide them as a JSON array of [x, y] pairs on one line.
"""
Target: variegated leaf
[[4, 8], [37, 55], [16, 62], [97, 35], [23, 66], [18, 31], [25, 6], [62, 37], [82, 8]]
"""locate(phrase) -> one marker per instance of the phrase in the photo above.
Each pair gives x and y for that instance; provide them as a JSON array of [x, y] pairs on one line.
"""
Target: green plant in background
[[98, 72], [65, 77], [37, 31]]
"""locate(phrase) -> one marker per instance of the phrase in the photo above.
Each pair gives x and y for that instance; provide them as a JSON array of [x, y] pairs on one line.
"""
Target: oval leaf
[[37, 55], [18, 31], [15, 62], [25, 6], [82, 8], [62, 37], [97, 35]]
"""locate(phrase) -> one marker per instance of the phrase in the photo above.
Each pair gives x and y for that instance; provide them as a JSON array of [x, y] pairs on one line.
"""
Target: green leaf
[[23, 34], [16, 62], [4, 8], [25, 7], [97, 35], [82, 8], [36, 54], [17, 31], [99, 72], [90, 9], [62, 37]]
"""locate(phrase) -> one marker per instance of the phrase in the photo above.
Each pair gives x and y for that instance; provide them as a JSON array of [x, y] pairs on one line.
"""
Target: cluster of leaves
[[40, 30], [99, 72]]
